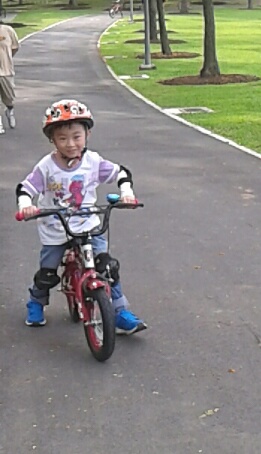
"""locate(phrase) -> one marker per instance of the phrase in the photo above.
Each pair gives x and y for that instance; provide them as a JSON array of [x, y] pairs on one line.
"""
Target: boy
[[66, 177]]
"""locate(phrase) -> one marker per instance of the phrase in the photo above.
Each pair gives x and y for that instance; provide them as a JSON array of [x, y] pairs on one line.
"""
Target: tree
[[210, 65], [184, 6], [73, 3], [153, 21], [249, 4], [164, 40]]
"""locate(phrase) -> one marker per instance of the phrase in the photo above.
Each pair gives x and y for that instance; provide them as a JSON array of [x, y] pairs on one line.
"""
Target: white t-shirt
[[8, 43], [75, 187]]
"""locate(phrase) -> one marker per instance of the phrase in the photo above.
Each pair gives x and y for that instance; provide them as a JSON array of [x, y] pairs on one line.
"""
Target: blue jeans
[[51, 257]]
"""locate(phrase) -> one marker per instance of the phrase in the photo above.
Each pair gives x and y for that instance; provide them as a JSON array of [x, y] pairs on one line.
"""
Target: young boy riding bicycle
[[68, 177]]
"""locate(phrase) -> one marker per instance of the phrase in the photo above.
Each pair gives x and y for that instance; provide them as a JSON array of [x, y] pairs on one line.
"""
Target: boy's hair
[[49, 132]]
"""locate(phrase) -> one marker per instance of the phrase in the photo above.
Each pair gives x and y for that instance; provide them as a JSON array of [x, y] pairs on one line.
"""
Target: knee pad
[[107, 265], [46, 278]]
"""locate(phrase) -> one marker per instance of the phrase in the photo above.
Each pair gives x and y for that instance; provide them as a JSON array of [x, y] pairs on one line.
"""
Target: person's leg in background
[[8, 96], [2, 130]]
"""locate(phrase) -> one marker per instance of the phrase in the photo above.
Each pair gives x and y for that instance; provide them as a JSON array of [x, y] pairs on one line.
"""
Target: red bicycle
[[88, 292]]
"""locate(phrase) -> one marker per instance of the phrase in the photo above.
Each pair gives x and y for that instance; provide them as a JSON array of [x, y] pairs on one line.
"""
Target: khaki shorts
[[7, 87]]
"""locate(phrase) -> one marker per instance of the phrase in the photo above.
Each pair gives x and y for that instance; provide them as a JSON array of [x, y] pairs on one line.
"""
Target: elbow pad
[[124, 176], [22, 196]]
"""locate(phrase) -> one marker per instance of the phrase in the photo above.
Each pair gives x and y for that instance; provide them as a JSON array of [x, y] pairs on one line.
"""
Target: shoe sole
[[35, 324], [137, 329]]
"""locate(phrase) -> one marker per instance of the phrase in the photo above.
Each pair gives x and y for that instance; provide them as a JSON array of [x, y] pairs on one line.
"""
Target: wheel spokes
[[95, 324]]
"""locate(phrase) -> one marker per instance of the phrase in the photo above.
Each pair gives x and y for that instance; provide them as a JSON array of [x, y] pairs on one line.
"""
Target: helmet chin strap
[[71, 161]]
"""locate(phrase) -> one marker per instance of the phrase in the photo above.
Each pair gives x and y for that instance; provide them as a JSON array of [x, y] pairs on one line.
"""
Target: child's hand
[[29, 211], [128, 199]]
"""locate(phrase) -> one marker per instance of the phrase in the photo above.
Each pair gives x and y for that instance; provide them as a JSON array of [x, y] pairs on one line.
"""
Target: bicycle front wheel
[[100, 327], [112, 13]]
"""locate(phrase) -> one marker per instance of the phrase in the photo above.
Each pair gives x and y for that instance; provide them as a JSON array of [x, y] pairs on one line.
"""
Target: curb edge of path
[[200, 129]]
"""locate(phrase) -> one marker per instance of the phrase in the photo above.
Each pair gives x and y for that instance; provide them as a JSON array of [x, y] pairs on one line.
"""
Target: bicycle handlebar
[[64, 213]]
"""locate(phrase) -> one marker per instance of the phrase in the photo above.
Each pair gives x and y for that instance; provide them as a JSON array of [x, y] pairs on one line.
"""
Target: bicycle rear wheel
[[100, 327], [112, 13]]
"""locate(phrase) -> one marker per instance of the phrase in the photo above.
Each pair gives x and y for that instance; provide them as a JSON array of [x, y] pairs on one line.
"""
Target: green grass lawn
[[36, 14], [236, 106]]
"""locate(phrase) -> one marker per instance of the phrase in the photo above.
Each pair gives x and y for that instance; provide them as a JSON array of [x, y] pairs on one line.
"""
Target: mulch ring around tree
[[178, 13], [142, 41], [14, 4], [159, 55], [70, 8], [63, 5], [18, 24], [142, 20], [142, 31], [211, 80]]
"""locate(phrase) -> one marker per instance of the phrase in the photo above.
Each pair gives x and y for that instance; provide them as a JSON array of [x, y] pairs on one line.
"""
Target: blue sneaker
[[35, 314], [127, 323]]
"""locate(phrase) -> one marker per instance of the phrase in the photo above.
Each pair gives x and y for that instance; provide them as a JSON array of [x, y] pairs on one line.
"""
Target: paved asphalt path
[[190, 266]]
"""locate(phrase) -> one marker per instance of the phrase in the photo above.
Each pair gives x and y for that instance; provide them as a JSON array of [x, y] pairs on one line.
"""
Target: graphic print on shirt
[[68, 192], [57, 187], [76, 189]]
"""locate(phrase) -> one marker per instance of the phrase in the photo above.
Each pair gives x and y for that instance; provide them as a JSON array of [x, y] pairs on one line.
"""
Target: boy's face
[[70, 139]]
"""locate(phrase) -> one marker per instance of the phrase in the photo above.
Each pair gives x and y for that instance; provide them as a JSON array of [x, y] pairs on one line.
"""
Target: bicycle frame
[[80, 276]]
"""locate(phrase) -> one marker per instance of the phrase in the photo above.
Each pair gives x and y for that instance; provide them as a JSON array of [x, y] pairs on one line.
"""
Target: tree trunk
[[153, 22], [210, 66], [184, 6], [73, 3], [164, 40], [20, 2], [249, 4]]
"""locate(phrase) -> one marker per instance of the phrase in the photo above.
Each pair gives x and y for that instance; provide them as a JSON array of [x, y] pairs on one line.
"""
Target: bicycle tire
[[101, 350], [112, 13], [73, 309]]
